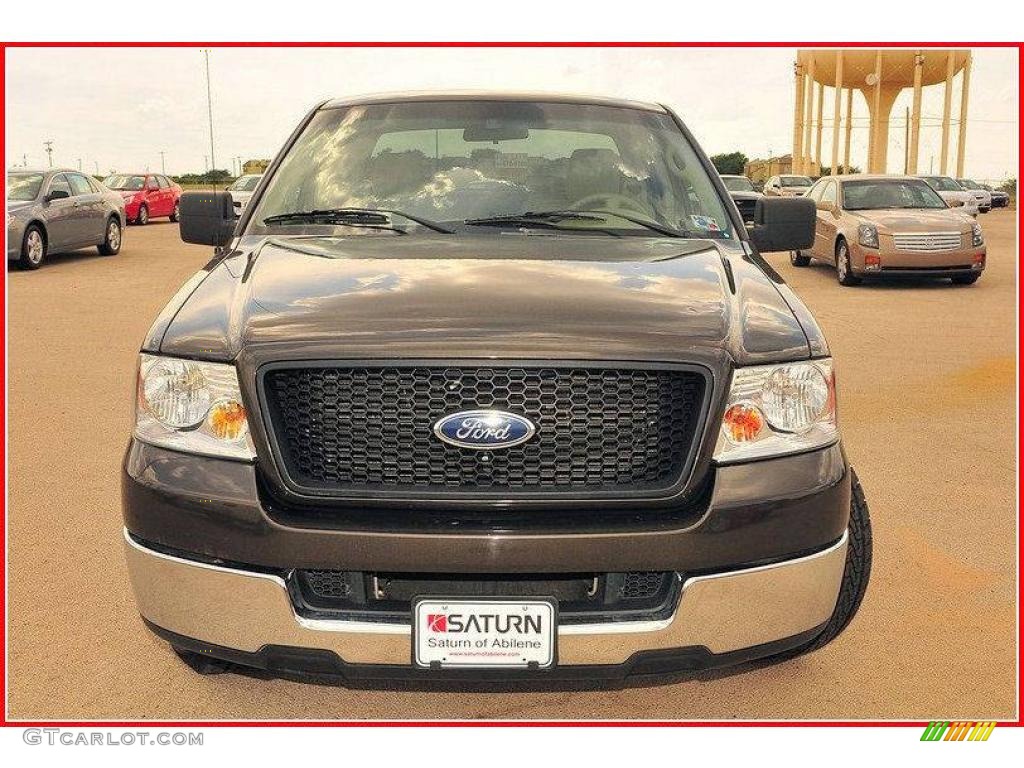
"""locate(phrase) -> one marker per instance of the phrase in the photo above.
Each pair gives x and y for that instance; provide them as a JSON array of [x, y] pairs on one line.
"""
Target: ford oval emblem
[[484, 430]]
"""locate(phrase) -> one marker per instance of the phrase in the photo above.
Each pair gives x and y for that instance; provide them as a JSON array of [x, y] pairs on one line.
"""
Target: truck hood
[[503, 296]]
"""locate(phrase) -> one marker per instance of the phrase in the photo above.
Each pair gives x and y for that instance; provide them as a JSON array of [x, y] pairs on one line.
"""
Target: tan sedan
[[891, 226]]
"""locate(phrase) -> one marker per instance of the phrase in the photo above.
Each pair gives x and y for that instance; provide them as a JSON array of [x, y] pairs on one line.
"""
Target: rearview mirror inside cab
[[783, 223], [207, 218]]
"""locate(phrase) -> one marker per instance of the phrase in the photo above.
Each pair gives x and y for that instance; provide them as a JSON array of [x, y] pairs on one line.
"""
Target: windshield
[[737, 184], [245, 184], [943, 184], [453, 162], [968, 184], [131, 183], [882, 194], [795, 181], [23, 186]]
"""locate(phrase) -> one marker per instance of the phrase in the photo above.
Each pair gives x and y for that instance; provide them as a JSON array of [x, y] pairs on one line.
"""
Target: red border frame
[[4, 722]]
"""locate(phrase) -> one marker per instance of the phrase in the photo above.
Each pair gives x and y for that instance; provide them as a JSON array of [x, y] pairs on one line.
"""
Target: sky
[[117, 109]]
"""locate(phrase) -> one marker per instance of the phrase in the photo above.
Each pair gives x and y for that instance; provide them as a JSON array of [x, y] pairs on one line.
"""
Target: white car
[[982, 195], [241, 191], [954, 195], [787, 185]]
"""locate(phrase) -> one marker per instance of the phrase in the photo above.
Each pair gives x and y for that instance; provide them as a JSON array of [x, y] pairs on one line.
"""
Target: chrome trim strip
[[246, 610]]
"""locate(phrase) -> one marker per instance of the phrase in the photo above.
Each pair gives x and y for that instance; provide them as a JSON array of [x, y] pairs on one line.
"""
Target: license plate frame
[[484, 650]]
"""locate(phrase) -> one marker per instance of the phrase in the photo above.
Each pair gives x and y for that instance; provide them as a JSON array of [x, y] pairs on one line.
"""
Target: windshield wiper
[[379, 218], [553, 218]]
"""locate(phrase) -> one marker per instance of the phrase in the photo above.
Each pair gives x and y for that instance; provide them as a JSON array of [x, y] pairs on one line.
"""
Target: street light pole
[[163, 169], [209, 105], [49, 152]]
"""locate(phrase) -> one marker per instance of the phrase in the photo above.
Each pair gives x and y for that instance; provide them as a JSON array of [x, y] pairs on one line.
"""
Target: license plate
[[484, 633]]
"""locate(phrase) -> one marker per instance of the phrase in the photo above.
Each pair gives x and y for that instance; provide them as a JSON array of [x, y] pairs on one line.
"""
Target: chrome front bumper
[[724, 612]]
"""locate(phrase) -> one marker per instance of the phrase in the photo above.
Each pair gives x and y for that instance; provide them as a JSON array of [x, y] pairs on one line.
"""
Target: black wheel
[[33, 247], [797, 259], [143, 218], [176, 213], [966, 279], [856, 574], [844, 271], [204, 665], [111, 245]]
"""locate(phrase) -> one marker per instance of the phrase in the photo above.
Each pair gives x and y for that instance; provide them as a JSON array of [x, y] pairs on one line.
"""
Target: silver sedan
[[59, 210]]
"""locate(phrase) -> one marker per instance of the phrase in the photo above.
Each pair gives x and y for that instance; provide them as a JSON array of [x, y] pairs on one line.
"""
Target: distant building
[[761, 170], [255, 166]]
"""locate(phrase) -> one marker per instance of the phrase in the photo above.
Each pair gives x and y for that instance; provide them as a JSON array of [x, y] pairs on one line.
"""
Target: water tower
[[880, 76]]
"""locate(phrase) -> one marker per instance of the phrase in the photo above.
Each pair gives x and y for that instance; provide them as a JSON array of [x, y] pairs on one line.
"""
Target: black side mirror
[[783, 223], [57, 194], [207, 218]]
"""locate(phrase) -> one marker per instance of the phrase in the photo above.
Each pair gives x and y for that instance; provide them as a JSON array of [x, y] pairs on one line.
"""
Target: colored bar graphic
[[943, 730]]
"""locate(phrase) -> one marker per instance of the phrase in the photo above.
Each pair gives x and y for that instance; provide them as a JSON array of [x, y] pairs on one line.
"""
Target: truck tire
[[797, 259], [855, 575]]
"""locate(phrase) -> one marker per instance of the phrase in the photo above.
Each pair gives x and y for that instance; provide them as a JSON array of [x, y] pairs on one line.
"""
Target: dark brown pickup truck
[[490, 387]]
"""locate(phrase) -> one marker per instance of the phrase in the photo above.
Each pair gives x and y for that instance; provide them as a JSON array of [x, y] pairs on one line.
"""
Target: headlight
[[867, 235], [976, 237], [191, 406], [778, 409]]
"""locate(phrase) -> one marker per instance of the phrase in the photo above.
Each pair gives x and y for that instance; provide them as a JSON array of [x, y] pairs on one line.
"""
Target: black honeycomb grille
[[640, 585], [346, 429]]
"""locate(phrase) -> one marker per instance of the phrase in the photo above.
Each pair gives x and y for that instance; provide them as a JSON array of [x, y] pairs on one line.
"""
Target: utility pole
[[209, 106], [79, 164], [97, 163], [24, 160], [49, 152], [206, 163], [163, 169]]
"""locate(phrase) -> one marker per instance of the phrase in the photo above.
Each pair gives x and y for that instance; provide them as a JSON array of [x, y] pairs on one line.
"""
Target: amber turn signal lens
[[227, 420], [744, 423]]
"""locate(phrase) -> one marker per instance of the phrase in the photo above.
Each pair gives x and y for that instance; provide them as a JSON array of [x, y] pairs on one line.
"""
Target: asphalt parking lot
[[927, 381]]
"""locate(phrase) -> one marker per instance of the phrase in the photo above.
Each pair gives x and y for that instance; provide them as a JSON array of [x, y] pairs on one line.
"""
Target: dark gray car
[[59, 210]]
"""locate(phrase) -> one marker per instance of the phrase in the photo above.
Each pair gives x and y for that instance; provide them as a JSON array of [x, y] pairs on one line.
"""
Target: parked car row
[[891, 226], [60, 209], [881, 225]]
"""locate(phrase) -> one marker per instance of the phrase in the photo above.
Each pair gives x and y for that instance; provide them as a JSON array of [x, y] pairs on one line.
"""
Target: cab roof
[[534, 96]]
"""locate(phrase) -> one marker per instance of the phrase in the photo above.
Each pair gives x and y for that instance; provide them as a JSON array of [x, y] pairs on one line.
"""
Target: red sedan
[[146, 195]]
